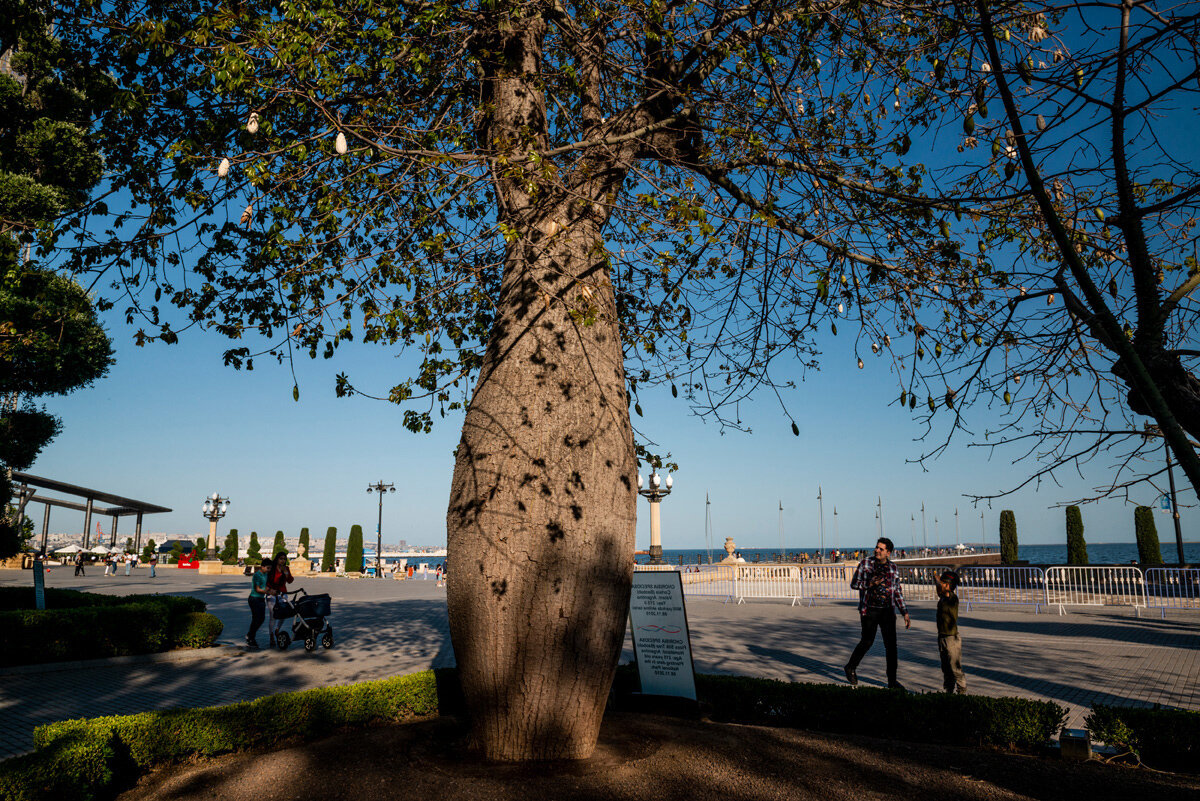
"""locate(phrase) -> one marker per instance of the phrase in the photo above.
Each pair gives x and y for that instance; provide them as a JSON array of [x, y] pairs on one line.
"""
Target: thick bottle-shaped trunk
[[542, 508]]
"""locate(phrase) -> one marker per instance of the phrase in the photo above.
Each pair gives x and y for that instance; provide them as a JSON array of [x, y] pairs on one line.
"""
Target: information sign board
[[39, 583], [661, 643]]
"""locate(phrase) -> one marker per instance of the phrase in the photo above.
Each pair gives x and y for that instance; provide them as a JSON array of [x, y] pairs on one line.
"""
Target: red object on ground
[[189, 563]]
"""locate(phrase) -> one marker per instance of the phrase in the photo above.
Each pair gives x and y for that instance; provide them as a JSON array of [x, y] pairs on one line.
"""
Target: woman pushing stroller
[[278, 577]]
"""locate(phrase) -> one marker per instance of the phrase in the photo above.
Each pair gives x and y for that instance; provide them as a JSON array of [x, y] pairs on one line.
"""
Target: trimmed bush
[[229, 553], [93, 759], [1076, 547], [1008, 538], [81, 625], [1164, 739], [129, 545], [304, 548], [195, 630], [176, 551], [935, 717], [149, 550], [253, 554], [29, 636], [354, 550], [329, 557], [200, 549], [279, 545], [1149, 549]]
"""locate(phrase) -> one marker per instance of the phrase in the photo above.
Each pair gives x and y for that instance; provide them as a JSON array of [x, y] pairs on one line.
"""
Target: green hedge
[[1165, 739], [80, 625], [195, 630], [1018, 723], [95, 759]]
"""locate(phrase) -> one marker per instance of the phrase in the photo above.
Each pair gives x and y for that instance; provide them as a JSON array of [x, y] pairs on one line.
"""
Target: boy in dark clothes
[[949, 643]]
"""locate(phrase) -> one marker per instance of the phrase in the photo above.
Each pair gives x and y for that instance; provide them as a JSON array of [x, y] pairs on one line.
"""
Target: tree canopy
[[50, 340], [554, 204]]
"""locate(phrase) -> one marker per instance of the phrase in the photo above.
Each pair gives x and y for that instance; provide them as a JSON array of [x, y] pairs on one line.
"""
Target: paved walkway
[[387, 627]]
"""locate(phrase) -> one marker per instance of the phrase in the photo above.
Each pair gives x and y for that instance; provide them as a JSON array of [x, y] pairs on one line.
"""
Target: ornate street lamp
[[655, 493], [381, 488], [214, 509]]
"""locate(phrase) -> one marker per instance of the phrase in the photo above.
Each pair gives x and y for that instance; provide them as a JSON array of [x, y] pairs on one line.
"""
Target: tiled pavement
[[391, 627]]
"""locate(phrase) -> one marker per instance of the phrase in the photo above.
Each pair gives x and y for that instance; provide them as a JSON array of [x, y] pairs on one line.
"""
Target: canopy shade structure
[[26, 486], [68, 549]]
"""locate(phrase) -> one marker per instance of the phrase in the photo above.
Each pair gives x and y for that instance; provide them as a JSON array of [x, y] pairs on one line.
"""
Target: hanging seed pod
[[860, 363], [903, 398], [795, 430], [1041, 123], [887, 341], [950, 398], [931, 403], [248, 215], [1007, 397], [874, 347], [252, 123], [339, 144], [841, 308], [223, 168]]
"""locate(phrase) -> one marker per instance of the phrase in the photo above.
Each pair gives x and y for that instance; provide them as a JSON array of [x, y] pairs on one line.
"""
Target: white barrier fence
[[1002, 586], [1060, 586], [1172, 588]]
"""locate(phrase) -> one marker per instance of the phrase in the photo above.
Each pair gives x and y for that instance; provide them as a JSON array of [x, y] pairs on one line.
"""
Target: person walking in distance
[[258, 602], [949, 643], [879, 599]]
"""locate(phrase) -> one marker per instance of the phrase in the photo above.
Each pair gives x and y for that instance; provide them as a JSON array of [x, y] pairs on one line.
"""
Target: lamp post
[[381, 488], [924, 537], [821, 519], [654, 493], [214, 509], [1149, 429]]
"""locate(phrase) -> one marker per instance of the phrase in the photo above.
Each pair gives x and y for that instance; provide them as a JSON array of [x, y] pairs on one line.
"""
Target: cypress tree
[[148, 550], [1076, 547], [176, 551], [279, 546], [354, 550], [253, 554], [229, 554], [1149, 551], [303, 549], [330, 555], [1008, 537], [129, 545], [200, 549]]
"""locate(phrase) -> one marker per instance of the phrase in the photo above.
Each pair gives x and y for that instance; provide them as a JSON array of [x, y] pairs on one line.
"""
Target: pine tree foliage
[[1076, 546], [329, 554], [354, 550], [1008, 537], [1149, 548]]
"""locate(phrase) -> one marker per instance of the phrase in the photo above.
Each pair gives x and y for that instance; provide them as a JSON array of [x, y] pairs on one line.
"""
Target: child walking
[[949, 643]]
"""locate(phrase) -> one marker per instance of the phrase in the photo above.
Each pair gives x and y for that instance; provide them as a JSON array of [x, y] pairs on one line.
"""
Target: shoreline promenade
[[386, 627]]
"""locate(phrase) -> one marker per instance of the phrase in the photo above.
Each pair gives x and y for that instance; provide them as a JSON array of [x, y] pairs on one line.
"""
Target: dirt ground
[[651, 757]]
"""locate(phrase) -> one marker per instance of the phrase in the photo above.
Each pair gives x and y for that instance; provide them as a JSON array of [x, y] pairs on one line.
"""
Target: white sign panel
[[660, 634]]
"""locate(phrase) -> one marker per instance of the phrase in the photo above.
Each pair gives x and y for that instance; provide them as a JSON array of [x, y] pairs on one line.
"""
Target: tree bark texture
[[541, 521]]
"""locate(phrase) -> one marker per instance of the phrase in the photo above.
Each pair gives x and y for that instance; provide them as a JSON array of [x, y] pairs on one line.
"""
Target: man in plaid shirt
[[879, 599]]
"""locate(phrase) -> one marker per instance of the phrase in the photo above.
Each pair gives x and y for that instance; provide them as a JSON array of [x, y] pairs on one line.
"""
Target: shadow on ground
[[650, 757]]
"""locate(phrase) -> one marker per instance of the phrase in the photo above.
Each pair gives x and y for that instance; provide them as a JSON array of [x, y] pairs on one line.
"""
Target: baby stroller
[[309, 615]]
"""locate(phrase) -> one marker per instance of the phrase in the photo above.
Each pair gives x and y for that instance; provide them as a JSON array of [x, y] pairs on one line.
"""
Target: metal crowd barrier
[[1095, 586], [708, 581], [763, 581], [1172, 588], [917, 581], [828, 582], [1002, 586]]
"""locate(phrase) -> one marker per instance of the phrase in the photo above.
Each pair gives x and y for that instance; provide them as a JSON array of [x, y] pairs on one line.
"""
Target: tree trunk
[[542, 511]]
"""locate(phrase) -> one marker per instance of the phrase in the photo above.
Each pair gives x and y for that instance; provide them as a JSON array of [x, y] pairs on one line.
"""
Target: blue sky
[[172, 424]]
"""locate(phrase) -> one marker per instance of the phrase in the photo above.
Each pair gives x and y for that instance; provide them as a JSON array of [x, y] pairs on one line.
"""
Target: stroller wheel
[[327, 640], [283, 640], [310, 644]]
